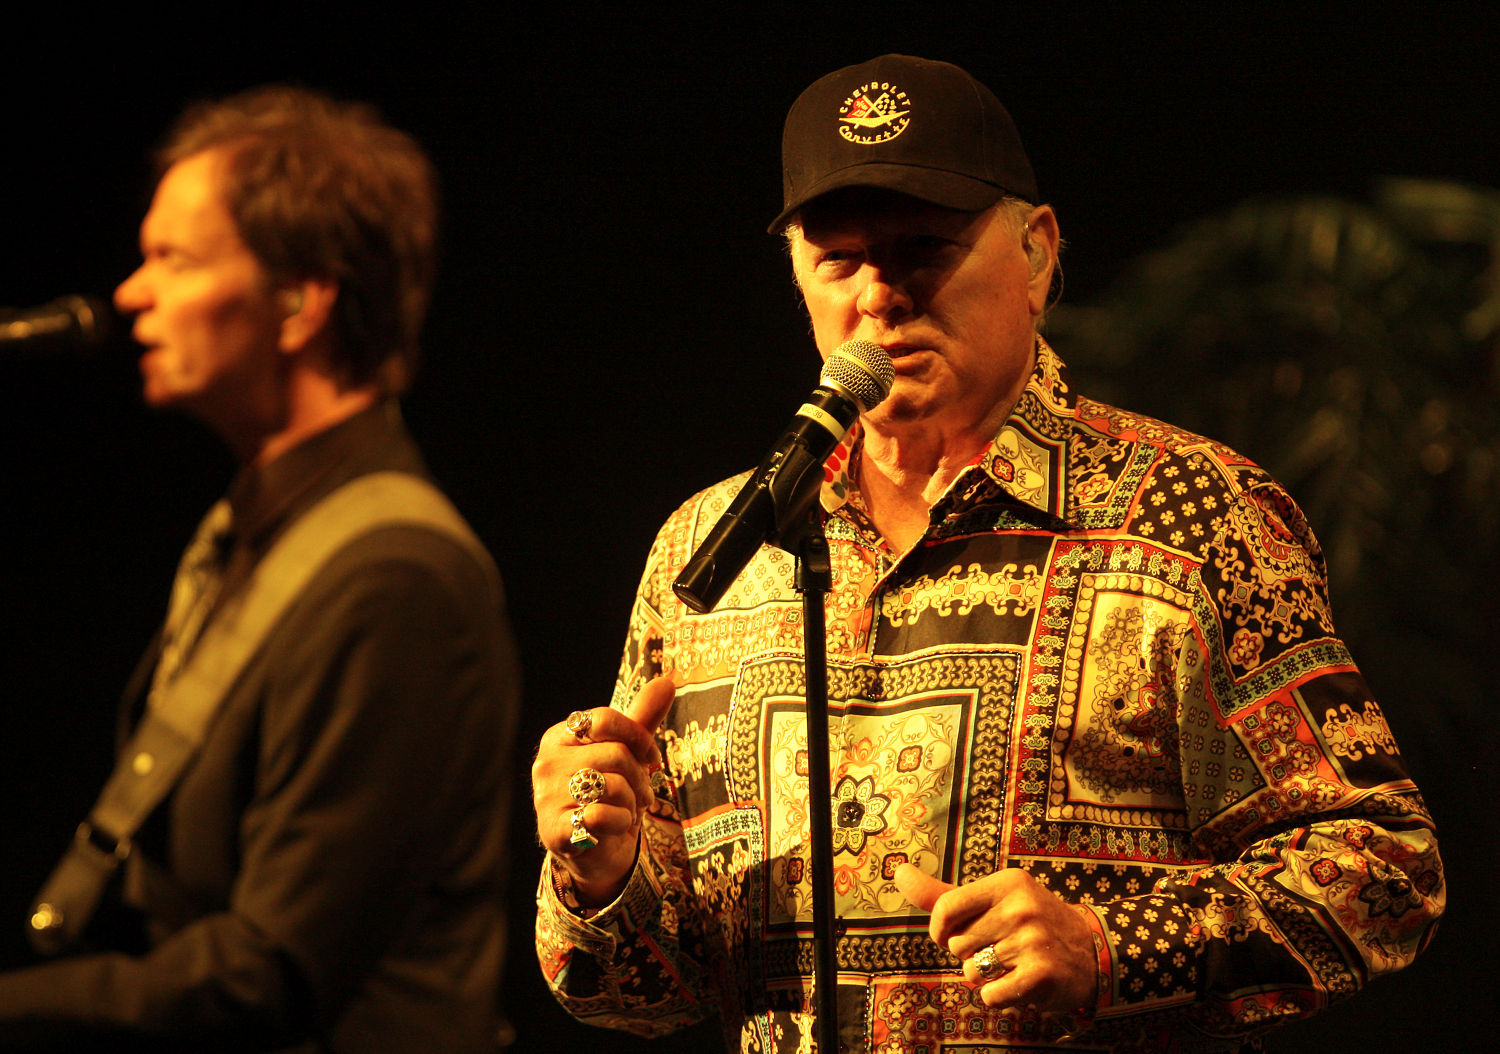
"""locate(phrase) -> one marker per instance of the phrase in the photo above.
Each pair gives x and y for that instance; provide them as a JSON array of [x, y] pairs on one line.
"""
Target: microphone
[[69, 323], [856, 377]]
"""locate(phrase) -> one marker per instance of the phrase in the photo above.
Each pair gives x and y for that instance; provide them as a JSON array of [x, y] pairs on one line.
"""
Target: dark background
[[614, 330]]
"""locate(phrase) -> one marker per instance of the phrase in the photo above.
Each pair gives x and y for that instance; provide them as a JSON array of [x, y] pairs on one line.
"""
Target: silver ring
[[578, 723], [581, 841], [586, 786], [987, 964], [658, 777]]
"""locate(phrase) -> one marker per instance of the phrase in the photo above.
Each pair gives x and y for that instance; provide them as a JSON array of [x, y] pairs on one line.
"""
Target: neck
[[314, 403], [906, 466], [921, 461], [902, 475]]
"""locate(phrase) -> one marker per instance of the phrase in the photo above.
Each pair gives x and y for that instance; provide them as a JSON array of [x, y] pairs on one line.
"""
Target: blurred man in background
[[301, 846]]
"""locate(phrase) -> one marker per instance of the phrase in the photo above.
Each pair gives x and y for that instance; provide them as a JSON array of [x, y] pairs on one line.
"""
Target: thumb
[[651, 703], [919, 887]]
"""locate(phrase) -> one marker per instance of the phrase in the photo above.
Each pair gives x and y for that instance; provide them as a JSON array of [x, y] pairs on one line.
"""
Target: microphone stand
[[784, 490], [814, 580], [796, 526]]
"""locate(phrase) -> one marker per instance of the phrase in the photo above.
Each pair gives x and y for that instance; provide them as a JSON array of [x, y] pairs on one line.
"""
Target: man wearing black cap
[[1104, 777]]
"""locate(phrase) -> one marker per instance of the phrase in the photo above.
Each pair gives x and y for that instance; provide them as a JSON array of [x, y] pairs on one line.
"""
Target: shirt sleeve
[[643, 964], [1324, 865]]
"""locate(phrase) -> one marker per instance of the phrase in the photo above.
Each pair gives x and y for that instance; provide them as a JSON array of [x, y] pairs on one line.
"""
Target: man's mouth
[[903, 356]]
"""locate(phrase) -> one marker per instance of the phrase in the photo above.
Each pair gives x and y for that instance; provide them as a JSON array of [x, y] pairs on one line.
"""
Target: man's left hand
[[1042, 944]]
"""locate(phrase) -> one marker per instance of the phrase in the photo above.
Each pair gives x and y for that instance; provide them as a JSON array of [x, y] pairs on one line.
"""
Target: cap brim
[[946, 189]]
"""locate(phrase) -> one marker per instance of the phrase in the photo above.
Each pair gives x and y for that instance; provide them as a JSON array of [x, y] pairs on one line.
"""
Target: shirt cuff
[[598, 930], [1104, 965]]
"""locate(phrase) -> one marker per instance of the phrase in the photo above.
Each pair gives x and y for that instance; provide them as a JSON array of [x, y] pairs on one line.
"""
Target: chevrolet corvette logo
[[875, 113]]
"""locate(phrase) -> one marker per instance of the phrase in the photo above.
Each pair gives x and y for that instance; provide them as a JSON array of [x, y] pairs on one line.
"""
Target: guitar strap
[[180, 713]]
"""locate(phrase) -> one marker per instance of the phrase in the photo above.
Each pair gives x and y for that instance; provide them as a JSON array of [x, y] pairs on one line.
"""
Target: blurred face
[[950, 295], [205, 308]]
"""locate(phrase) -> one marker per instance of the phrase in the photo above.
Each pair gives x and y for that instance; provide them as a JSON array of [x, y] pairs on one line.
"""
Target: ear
[[1040, 240], [307, 309]]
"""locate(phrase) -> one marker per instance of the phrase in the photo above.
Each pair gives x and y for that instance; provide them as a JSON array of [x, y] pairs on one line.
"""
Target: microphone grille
[[862, 369]]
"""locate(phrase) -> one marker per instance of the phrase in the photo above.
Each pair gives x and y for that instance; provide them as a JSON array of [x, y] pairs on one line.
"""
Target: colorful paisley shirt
[[1109, 662]]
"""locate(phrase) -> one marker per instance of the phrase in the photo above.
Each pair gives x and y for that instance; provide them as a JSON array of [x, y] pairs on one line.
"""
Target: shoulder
[[386, 548], [696, 516], [401, 615], [407, 556], [1105, 435], [399, 524], [1175, 486], [706, 506], [1100, 424], [679, 537]]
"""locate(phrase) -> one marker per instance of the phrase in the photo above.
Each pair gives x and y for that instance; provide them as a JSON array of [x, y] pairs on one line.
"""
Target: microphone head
[[68, 324], [860, 369]]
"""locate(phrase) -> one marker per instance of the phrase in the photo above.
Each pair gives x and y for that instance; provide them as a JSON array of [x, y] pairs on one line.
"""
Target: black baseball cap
[[911, 125]]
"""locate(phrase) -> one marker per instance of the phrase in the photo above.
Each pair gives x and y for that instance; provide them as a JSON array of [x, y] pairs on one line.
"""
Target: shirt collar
[[1027, 458], [264, 497]]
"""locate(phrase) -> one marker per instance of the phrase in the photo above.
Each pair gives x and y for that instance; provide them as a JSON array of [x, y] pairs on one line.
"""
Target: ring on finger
[[586, 786], [578, 723], [581, 841], [987, 964]]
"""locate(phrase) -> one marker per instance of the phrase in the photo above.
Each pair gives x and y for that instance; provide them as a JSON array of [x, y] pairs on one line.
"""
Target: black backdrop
[[613, 330]]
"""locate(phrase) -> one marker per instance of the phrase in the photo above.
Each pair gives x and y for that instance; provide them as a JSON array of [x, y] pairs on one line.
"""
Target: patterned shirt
[[1110, 662]]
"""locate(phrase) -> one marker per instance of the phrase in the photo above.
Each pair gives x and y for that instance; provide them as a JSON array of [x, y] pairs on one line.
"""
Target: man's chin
[[167, 399], [160, 397], [161, 389], [899, 409]]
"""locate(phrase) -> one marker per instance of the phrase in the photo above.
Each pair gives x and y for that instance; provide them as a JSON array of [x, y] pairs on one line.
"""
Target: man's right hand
[[622, 747]]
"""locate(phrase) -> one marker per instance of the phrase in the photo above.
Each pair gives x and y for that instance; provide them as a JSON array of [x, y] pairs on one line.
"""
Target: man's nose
[[884, 296], [132, 295]]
